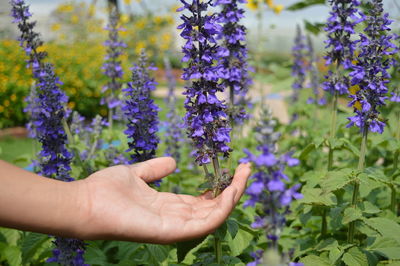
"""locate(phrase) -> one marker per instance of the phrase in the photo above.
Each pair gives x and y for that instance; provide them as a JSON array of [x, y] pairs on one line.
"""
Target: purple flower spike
[[112, 66], [234, 57], [370, 74], [141, 112], [299, 66], [269, 187], [205, 119], [340, 30]]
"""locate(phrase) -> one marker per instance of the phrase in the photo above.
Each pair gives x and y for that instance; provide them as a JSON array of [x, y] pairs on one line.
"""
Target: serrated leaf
[[385, 226], [355, 257], [240, 242], [221, 231], [368, 207], [387, 247], [351, 214], [312, 260], [31, 244], [336, 180], [158, 253], [11, 235], [233, 227], [315, 196], [367, 184], [327, 244], [335, 254], [313, 178], [183, 248]]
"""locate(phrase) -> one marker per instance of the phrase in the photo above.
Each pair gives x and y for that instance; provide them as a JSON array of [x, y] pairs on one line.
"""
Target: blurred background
[[74, 33]]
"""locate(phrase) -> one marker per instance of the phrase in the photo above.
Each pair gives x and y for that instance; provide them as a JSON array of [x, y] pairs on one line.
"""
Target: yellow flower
[[152, 40], [278, 9], [158, 19], [139, 46], [56, 27], [74, 19], [141, 24], [127, 2], [124, 18], [13, 97], [354, 89], [65, 8], [1, 109], [71, 105], [252, 4], [270, 3], [6, 103]]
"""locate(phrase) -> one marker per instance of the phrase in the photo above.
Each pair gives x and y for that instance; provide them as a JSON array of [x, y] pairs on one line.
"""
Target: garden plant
[[324, 185]]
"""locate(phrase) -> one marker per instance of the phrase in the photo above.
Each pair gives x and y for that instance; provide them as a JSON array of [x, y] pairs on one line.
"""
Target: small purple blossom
[[370, 73], [269, 186], [206, 118], [112, 66], [141, 113], [314, 75], [340, 30], [174, 125], [299, 66], [234, 57]]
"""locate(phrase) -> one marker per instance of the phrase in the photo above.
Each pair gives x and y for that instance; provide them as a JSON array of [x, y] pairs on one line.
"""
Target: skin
[[115, 203]]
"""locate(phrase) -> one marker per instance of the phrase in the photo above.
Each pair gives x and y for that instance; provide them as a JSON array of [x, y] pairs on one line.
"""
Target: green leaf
[[314, 28], [158, 253], [183, 248], [306, 151], [315, 196], [355, 257], [313, 178], [304, 4], [221, 231], [368, 207], [12, 254], [386, 227], [335, 254], [351, 214], [327, 244], [367, 184], [233, 227], [94, 255], [312, 260], [387, 247], [31, 243], [11, 235], [349, 146], [240, 242], [336, 180]]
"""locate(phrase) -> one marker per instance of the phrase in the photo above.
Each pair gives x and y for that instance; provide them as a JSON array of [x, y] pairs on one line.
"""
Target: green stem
[[216, 192], [70, 138], [110, 119], [360, 168], [393, 200], [332, 135]]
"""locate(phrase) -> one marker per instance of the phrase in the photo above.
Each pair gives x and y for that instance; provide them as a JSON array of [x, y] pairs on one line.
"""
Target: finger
[[240, 178], [154, 169]]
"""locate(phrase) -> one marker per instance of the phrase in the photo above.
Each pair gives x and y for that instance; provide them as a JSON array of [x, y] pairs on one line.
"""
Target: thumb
[[154, 169]]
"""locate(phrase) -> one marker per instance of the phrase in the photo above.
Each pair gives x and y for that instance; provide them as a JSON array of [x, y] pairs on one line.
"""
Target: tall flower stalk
[[341, 46], [55, 159], [314, 77], [236, 75], [141, 112], [112, 67], [370, 78], [269, 186], [206, 119], [174, 132], [299, 66]]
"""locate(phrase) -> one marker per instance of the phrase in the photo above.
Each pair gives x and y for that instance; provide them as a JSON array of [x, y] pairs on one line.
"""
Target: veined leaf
[[240, 242], [368, 207], [355, 257], [336, 180], [313, 260], [387, 247], [386, 227], [351, 214], [315, 196]]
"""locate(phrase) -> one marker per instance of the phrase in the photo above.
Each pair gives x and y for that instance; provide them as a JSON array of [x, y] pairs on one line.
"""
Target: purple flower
[[314, 83], [340, 31], [174, 126], [47, 111], [370, 74], [205, 119], [141, 113], [112, 66], [299, 65], [233, 52], [269, 186]]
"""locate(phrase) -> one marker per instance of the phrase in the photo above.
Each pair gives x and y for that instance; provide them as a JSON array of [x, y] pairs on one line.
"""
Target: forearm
[[39, 204]]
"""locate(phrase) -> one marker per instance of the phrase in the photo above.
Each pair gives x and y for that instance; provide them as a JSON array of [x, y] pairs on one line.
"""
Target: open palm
[[120, 205]]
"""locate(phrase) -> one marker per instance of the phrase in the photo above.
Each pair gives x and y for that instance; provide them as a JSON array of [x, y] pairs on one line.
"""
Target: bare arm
[[114, 203]]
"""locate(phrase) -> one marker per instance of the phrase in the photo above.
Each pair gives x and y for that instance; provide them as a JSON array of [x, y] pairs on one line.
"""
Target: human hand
[[119, 205]]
